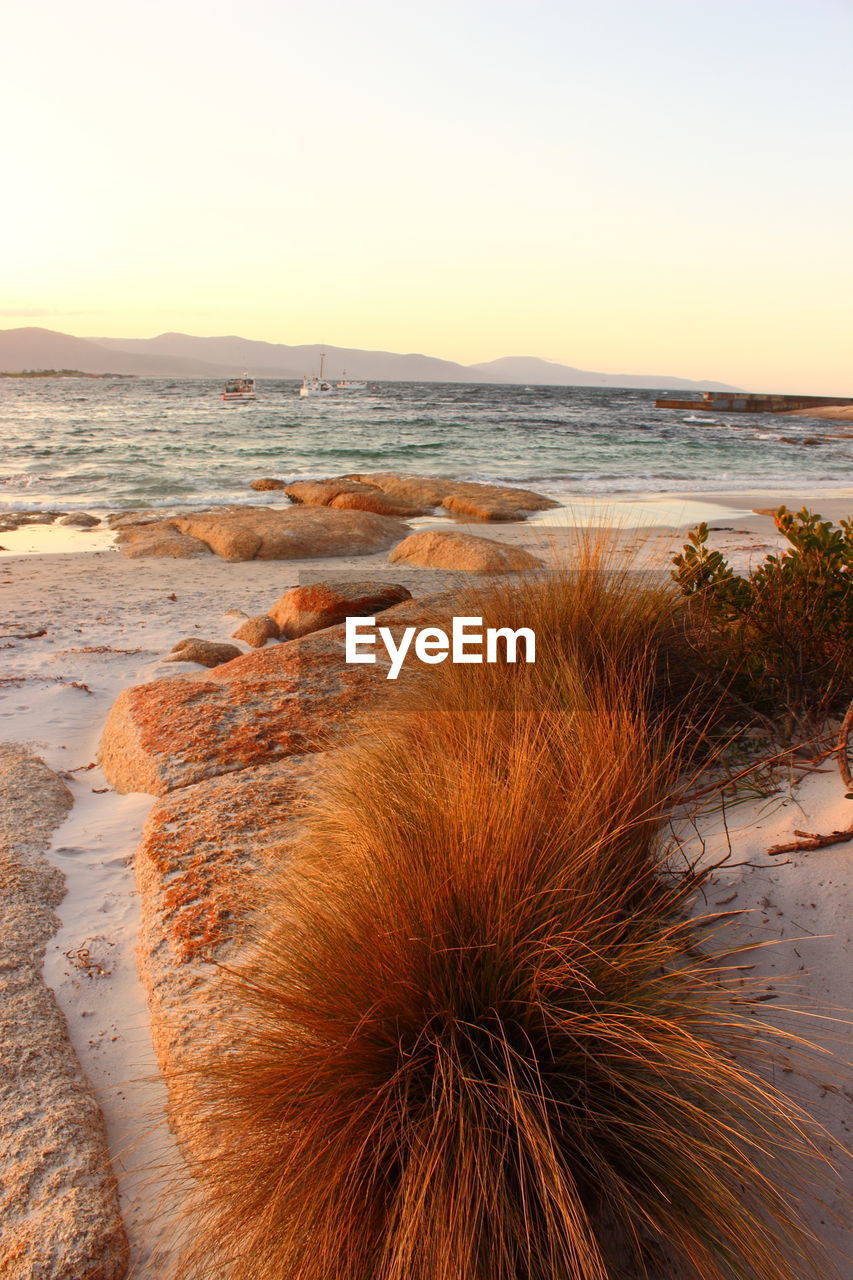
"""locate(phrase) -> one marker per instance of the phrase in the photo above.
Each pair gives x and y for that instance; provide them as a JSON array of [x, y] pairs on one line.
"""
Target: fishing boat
[[239, 389], [350, 384], [316, 385]]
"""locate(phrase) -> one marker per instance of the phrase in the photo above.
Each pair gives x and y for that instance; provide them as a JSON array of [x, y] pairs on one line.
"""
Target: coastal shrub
[[782, 634], [476, 1036]]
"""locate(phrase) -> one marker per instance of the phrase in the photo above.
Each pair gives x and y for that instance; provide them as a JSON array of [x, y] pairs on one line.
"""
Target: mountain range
[[180, 355]]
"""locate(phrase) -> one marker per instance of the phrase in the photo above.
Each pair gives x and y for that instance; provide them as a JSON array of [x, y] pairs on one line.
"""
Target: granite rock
[[257, 631], [323, 604], [59, 1213], [448, 549], [209, 653]]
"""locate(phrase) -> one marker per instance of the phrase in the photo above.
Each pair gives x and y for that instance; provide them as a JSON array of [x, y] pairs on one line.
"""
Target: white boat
[[350, 384], [316, 385], [239, 389]]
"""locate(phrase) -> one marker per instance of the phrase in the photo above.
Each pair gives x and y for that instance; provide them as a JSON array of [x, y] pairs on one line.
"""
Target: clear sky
[[650, 186]]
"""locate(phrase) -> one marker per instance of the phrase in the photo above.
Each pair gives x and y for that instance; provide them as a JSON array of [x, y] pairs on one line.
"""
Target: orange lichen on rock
[[286, 700], [323, 604], [200, 870]]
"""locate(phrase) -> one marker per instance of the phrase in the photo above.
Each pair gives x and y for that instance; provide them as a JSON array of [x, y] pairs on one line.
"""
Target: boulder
[[350, 495], [447, 549], [208, 653], [59, 1211], [292, 533], [256, 631], [286, 700], [462, 497], [267, 482], [79, 520], [322, 604]]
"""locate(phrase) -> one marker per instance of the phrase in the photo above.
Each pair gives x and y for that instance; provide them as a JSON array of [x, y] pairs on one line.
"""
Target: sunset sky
[[653, 186]]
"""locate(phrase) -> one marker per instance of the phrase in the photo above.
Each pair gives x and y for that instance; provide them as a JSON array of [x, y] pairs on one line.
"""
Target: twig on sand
[[810, 839], [101, 648], [23, 635], [11, 681]]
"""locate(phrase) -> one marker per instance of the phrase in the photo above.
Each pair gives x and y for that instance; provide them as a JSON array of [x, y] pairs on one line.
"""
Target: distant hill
[[530, 369], [33, 348], [181, 355], [275, 360]]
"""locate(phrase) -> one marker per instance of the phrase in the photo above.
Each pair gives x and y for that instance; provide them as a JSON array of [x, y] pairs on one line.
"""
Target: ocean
[[124, 443]]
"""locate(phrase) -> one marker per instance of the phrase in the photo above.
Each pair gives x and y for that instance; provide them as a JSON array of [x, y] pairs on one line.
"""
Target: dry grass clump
[[475, 1038]]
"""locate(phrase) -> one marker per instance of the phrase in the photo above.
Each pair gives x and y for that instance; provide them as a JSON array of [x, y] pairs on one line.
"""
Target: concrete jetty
[[750, 402]]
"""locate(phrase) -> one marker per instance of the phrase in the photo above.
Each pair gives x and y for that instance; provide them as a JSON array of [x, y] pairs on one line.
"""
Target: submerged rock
[[310, 608], [447, 549]]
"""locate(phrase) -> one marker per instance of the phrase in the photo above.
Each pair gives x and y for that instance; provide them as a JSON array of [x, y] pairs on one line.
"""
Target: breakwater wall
[[749, 402]]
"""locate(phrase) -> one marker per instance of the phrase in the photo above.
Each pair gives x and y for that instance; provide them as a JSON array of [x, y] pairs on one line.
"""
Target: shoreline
[[672, 509]]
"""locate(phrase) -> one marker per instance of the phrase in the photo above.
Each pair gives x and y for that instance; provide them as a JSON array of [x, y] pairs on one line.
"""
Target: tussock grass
[[476, 1037]]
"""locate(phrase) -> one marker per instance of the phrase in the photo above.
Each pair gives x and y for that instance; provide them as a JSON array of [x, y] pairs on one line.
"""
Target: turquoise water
[[120, 443]]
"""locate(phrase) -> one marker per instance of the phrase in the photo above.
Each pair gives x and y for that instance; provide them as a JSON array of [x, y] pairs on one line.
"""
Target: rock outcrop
[[460, 497], [446, 549], [353, 496], [264, 533], [405, 495], [323, 604], [266, 483], [199, 870], [291, 699], [231, 754], [159, 538], [59, 1214], [208, 653]]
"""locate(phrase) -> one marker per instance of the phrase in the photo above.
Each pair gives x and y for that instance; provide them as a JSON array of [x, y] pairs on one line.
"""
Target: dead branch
[[810, 840], [843, 748]]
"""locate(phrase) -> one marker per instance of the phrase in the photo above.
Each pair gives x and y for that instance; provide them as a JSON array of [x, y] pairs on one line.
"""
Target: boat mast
[[322, 358]]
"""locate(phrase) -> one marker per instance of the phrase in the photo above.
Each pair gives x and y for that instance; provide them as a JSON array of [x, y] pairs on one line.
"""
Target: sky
[[645, 186]]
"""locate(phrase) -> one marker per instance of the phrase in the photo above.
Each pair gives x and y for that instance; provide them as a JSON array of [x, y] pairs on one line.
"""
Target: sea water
[[117, 443]]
